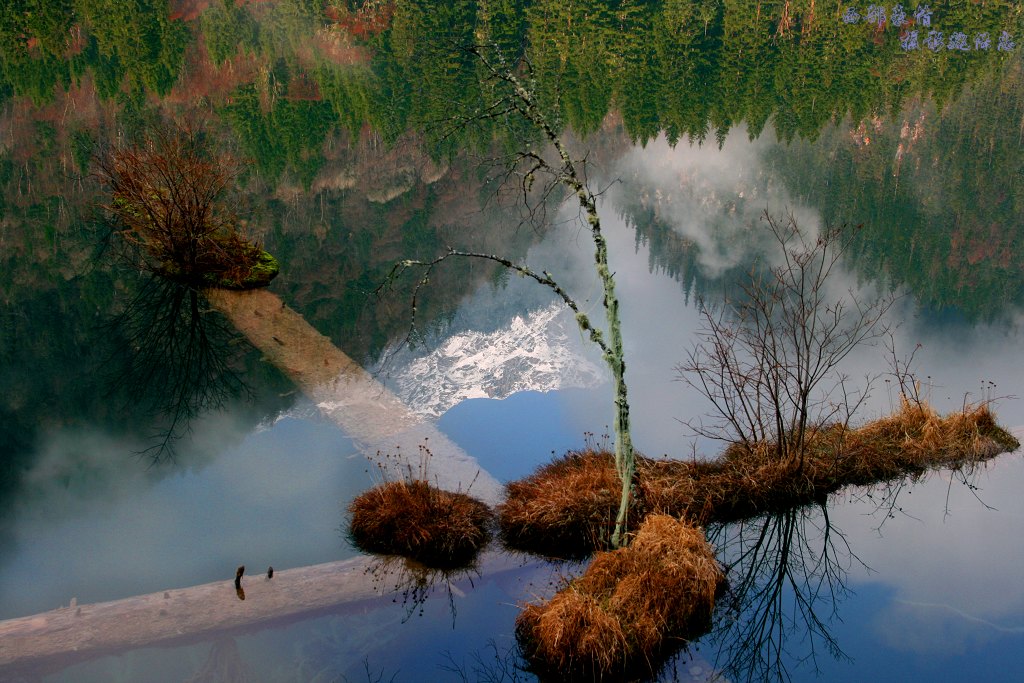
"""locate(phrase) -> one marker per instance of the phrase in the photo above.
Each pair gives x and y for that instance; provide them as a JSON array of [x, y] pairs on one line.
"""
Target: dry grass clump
[[631, 608], [439, 529], [565, 509], [916, 439], [750, 481], [727, 489], [571, 503]]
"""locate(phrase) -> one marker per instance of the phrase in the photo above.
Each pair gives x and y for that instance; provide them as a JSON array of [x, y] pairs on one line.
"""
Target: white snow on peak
[[538, 352]]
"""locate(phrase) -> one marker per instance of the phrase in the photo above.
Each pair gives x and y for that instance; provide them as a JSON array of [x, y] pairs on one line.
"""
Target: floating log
[[350, 396], [54, 640]]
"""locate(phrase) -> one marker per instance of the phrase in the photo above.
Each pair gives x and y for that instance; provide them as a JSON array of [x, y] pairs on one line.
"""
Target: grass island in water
[[635, 606]]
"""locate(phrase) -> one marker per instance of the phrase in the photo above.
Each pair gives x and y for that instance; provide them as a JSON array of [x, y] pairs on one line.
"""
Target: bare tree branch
[[769, 362], [169, 201], [514, 97]]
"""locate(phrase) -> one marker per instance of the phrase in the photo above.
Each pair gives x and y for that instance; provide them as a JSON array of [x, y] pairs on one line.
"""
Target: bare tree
[[769, 360], [514, 97], [169, 201], [177, 359], [171, 212]]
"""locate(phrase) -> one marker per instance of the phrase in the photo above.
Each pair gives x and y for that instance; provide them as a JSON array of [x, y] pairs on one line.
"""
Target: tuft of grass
[[916, 439], [630, 609], [439, 529], [566, 508]]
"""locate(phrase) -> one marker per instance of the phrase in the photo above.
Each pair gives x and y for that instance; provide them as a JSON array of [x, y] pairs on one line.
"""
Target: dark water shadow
[[178, 360]]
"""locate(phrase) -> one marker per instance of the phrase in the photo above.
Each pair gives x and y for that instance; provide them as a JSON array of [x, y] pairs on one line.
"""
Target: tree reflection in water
[[178, 359], [493, 664], [416, 583], [786, 574]]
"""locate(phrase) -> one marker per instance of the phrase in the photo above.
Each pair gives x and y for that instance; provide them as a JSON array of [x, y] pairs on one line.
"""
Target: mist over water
[[95, 522], [713, 197]]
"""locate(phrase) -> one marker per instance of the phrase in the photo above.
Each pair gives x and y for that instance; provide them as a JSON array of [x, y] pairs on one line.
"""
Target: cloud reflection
[[952, 563]]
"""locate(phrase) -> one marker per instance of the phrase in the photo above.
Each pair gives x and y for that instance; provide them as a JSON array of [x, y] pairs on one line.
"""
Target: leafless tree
[[171, 212], [178, 359], [492, 664], [769, 360], [561, 175], [170, 203], [786, 575]]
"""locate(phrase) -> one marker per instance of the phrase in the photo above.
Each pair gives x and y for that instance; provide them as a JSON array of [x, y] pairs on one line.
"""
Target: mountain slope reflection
[[347, 394]]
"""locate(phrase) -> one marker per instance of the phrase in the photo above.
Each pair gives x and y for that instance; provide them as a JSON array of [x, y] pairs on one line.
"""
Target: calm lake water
[[696, 118]]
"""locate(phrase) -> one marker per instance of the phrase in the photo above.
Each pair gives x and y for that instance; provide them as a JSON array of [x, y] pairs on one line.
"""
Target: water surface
[[696, 117]]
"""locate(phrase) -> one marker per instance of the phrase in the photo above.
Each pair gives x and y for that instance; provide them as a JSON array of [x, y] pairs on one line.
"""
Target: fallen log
[[345, 393], [348, 395], [53, 640]]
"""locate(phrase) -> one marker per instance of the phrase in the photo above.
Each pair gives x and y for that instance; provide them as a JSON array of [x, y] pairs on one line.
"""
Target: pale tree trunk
[[565, 172], [568, 175]]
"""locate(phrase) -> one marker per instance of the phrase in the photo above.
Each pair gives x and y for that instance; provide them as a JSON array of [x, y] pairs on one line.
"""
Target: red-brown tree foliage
[[170, 201]]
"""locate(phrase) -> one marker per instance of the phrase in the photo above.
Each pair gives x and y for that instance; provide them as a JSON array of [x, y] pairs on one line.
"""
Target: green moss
[[260, 274], [265, 270]]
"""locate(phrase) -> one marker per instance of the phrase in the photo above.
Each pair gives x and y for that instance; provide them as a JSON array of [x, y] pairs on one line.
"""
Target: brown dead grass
[[567, 507], [574, 501], [630, 607], [439, 529]]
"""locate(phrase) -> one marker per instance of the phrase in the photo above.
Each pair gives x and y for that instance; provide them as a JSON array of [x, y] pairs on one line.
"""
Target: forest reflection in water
[[778, 530]]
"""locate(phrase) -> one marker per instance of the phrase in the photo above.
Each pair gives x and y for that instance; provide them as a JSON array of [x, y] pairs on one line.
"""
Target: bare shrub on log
[[170, 203]]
